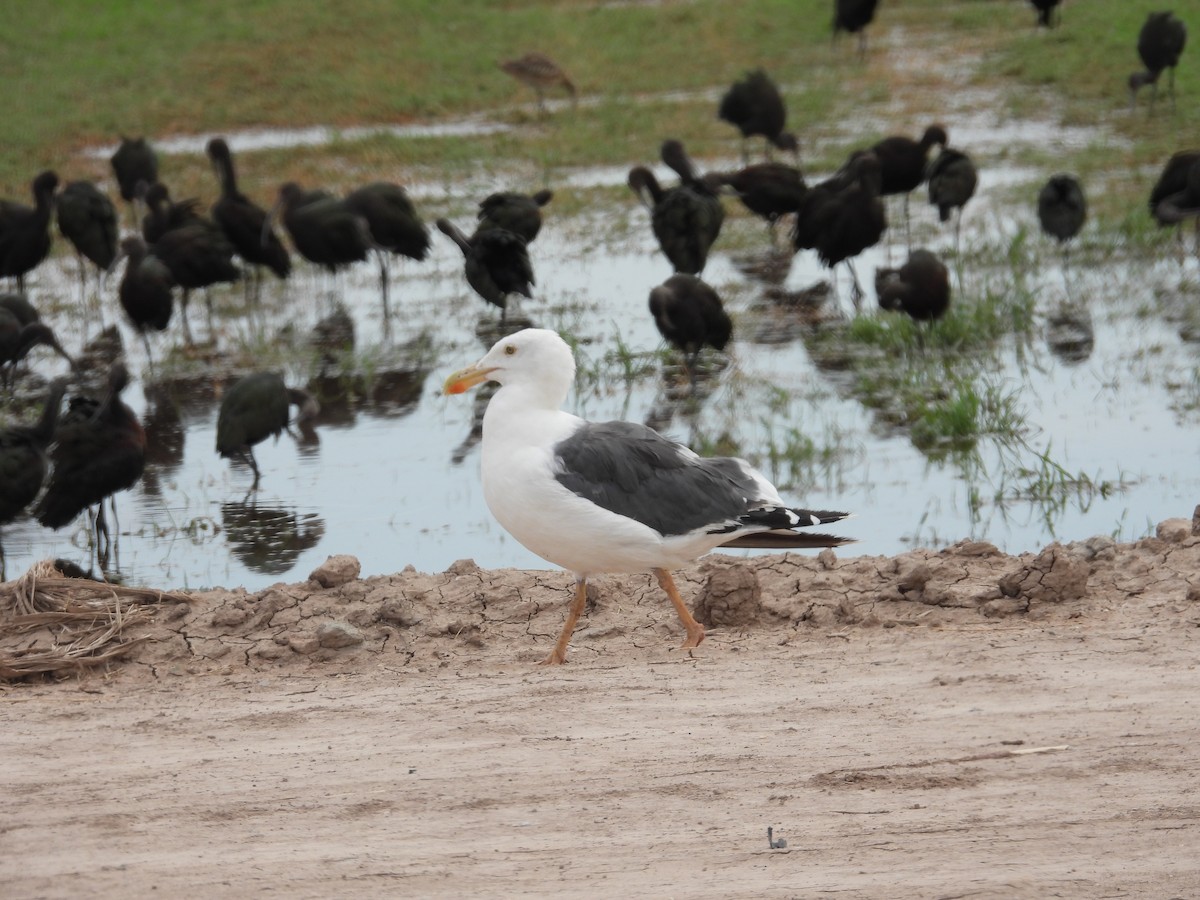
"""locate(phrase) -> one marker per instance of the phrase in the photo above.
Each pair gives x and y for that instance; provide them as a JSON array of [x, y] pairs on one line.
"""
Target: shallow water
[[393, 478]]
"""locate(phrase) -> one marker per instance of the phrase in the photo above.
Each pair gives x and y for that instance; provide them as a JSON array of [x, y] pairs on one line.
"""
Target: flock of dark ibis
[[97, 447]]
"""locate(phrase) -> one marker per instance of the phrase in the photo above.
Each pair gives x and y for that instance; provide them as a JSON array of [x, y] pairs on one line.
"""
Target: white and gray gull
[[613, 496]]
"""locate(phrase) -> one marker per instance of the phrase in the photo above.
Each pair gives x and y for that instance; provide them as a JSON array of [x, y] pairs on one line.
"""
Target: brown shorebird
[[539, 72]]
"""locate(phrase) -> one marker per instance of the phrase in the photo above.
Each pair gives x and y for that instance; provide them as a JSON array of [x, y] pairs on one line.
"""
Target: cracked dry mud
[[952, 723]]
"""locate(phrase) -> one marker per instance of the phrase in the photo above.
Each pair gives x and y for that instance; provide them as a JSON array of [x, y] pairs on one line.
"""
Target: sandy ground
[[950, 724]]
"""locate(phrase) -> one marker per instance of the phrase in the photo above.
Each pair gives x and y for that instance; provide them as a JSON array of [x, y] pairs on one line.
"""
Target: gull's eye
[[510, 350]]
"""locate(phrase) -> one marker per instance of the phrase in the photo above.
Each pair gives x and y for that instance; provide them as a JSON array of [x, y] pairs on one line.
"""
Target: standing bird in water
[[689, 314], [614, 496], [1175, 197], [134, 163], [903, 163], [198, 256], [843, 216], [242, 220], [23, 459], [394, 226], [519, 213], [99, 449], [21, 329], [1160, 44], [685, 219], [1062, 210], [541, 73], [854, 16], [324, 230], [88, 219], [1048, 13], [952, 182], [920, 287], [754, 106], [496, 263], [25, 231], [770, 190], [256, 408], [145, 291]]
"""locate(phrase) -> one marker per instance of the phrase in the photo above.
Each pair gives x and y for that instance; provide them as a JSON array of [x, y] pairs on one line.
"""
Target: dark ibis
[[25, 230], [99, 448], [324, 230], [903, 163], [20, 332], [952, 182], [689, 315], [539, 73], [134, 163], [242, 220], [920, 288], [198, 255], [394, 225], [1048, 13], [685, 219], [770, 190], [255, 408], [1160, 44], [519, 213], [754, 106], [163, 214], [1062, 210], [843, 216], [23, 459], [1175, 197], [146, 290], [496, 263], [88, 219], [853, 17]]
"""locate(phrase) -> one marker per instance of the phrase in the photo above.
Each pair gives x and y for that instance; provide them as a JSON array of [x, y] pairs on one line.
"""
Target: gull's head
[[534, 356]]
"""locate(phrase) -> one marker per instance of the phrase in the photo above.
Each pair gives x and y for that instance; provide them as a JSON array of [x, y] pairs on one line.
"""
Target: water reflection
[[269, 537], [1070, 334]]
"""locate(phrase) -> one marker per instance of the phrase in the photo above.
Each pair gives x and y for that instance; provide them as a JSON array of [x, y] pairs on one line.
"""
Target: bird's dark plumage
[[920, 287], [1062, 207], [754, 106], [1160, 44], [99, 448], [242, 220], [952, 182], [1046, 12], [134, 163], [519, 213], [903, 161], [854, 16], [23, 456], [685, 219], [1176, 194], [19, 334], [88, 219], [255, 408], [324, 230], [145, 291], [163, 214], [25, 231], [495, 261], [391, 218], [689, 314], [769, 190]]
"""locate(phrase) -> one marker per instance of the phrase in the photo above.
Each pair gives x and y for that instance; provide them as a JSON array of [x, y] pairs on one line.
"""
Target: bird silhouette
[[770, 190], [685, 219], [754, 106], [853, 16], [163, 214], [1048, 13], [496, 263], [903, 163], [242, 220], [920, 288], [99, 448], [255, 408], [134, 163], [1175, 197], [689, 315], [952, 182], [1160, 44], [1062, 210], [843, 216], [146, 290], [21, 329], [394, 225], [23, 461], [539, 73], [519, 213], [88, 219], [25, 231], [198, 255], [324, 230]]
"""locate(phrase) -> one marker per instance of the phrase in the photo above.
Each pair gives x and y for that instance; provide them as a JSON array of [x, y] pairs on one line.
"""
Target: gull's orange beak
[[465, 379]]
